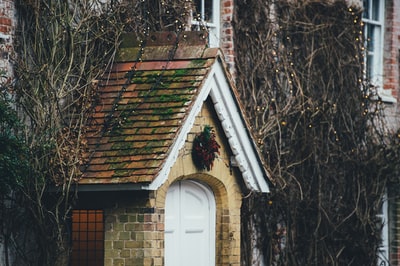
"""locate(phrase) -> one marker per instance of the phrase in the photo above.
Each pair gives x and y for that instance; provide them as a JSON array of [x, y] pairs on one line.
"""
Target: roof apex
[[146, 105], [158, 46]]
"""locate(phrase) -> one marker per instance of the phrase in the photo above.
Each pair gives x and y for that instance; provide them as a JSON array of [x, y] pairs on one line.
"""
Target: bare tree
[[62, 47]]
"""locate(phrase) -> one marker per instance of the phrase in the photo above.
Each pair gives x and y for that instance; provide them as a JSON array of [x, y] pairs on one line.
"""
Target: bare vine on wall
[[62, 47], [300, 77], [321, 128]]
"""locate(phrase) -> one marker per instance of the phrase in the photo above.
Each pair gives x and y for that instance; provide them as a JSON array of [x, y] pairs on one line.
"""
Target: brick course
[[227, 38], [133, 236], [392, 47]]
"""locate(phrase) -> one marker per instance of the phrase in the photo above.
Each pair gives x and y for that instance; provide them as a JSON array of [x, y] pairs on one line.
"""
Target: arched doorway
[[189, 225]]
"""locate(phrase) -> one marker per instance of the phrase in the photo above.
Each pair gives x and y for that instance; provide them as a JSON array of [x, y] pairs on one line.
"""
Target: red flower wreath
[[205, 148]]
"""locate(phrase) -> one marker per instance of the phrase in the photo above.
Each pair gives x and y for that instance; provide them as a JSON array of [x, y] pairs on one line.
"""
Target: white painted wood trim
[[232, 121], [236, 131]]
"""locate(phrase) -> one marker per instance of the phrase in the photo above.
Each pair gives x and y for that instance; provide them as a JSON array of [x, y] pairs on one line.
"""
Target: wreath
[[205, 149]]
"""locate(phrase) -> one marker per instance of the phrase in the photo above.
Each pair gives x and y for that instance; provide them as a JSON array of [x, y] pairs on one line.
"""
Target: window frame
[[377, 52], [377, 25], [213, 27], [383, 217], [85, 242]]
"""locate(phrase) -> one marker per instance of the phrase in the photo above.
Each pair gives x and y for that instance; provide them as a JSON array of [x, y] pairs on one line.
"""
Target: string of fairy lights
[[367, 91]]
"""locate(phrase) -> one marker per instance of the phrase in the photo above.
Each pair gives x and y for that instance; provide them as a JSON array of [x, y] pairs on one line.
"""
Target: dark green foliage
[[13, 151], [205, 149]]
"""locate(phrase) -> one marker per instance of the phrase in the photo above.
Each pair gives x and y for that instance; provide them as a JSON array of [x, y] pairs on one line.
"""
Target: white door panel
[[172, 225], [189, 225]]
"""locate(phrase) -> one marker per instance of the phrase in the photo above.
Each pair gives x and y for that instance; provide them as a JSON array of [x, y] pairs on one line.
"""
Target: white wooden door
[[189, 225]]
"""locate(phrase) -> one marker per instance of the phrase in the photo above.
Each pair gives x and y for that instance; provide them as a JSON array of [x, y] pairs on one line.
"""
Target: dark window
[[373, 23], [205, 13], [87, 238], [203, 10]]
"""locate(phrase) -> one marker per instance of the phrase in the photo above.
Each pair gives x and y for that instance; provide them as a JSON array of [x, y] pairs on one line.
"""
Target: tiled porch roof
[[142, 103]]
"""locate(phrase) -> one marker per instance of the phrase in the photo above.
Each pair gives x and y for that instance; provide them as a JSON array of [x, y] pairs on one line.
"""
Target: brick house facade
[[390, 85], [134, 221]]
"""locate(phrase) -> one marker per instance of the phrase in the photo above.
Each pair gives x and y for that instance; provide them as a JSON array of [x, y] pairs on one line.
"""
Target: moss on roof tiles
[[145, 109], [121, 172]]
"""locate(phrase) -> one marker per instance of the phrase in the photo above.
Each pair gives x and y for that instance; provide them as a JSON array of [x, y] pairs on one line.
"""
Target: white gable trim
[[246, 157], [227, 109]]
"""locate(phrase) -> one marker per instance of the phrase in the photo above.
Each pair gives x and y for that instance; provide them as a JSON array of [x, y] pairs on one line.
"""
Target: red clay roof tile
[[140, 108]]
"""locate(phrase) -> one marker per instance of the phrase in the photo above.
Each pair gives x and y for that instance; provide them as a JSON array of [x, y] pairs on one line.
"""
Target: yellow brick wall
[[134, 233]]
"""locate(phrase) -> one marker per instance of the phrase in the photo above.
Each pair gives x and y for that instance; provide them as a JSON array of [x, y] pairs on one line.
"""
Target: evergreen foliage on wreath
[[205, 149]]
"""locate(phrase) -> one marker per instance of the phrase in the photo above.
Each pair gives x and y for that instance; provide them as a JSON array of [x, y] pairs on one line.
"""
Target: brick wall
[[134, 234], [227, 35], [6, 16], [391, 65], [7, 28], [392, 82], [392, 47]]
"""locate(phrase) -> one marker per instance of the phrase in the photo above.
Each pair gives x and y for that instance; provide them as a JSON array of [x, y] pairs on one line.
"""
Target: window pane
[[207, 11], [375, 10], [87, 237], [365, 9], [370, 66], [370, 38], [208, 15], [203, 10], [373, 22], [197, 10], [371, 10]]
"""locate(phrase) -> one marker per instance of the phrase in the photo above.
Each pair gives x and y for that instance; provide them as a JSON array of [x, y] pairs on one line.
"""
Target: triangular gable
[[147, 107]]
